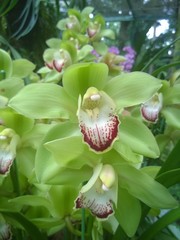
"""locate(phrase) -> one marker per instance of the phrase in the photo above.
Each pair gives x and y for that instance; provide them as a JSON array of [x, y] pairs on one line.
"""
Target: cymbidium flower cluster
[[81, 144], [81, 41]]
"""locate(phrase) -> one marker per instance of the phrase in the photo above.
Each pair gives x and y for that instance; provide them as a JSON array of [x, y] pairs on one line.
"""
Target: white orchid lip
[[150, 110], [6, 160], [96, 196], [8, 143], [97, 120]]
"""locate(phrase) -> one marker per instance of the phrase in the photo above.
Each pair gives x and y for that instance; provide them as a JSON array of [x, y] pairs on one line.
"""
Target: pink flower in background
[[130, 55], [114, 50]]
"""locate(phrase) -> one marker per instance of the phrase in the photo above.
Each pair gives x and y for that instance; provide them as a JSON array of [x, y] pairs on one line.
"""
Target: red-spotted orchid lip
[[99, 194], [97, 121], [150, 110]]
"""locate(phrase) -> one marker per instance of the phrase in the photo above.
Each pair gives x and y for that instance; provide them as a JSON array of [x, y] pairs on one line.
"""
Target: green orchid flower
[[99, 194], [9, 141], [150, 110], [102, 100]]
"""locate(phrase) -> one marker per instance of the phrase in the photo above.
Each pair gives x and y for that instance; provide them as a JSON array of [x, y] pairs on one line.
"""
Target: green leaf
[[43, 100], [79, 77], [159, 54], [5, 63], [11, 86], [172, 161], [144, 188], [167, 66], [160, 224], [138, 137], [128, 216], [169, 178], [172, 116], [129, 89], [21, 72]]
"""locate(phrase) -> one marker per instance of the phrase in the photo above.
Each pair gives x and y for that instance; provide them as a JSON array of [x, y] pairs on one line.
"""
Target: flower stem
[[71, 227], [83, 224], [15, 178]]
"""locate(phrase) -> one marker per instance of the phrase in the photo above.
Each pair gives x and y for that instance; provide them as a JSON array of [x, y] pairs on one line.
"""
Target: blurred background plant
[[27, 24]]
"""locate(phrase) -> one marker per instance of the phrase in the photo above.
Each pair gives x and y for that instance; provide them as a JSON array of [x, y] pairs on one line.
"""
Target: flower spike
[[98, 123]]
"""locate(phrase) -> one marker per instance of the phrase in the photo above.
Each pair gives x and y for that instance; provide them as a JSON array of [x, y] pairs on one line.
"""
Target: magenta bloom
[[130, 55], [114, 50]]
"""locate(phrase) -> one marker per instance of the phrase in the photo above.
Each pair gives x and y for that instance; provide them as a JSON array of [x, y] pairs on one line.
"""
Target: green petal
[[129, 89], [53, 43], [31, 200], [18, 122], [25, 161], [107, 33], [68, 151], [145, 188], [43, 100], [172, 116], [138, 137], [62, 198], [50, 171], [171, 95], [11, 86], [19, 71], [79, 77], [128, 216], [84, 51], [5, 64]]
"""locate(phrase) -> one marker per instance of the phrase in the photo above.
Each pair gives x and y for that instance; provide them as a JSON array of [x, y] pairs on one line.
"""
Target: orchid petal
[[98, 123], [79, 77]]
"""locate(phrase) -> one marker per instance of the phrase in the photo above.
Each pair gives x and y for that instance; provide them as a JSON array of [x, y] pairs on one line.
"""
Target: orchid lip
[[97, 197], [97, 121]]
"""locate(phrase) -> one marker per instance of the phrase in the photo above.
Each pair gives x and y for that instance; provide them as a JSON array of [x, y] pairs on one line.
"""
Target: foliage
[[78, 137]]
